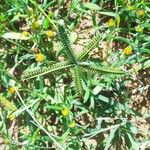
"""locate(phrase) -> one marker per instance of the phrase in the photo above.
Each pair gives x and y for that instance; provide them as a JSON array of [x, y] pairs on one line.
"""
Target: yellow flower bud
[[11, 90], [139, 29], [65, 112], [12, 117], [111, 23], [50, 33], [25, 33], [30, 10], [6, 141], [39, 57], [140, 13], [36, 25], [118, 20], [72, 124], [130, 8], [127, 50]]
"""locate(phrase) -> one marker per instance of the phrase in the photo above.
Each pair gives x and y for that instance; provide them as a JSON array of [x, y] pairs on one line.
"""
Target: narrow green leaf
[[110, 138], [86, 95]]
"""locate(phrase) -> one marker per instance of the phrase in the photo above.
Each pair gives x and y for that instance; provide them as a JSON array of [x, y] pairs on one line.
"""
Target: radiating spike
[[92, 44], [66, 43], [77, 80], [45, 70]]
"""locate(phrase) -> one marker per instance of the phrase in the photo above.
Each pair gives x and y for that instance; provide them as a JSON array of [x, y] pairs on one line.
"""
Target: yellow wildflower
[[25, 33], [111, 23], [127, 50], [65, 112], [140, 13], [72, 124], [139, 29], [36, 25], [11, 90], [50, 33], [40, 57]]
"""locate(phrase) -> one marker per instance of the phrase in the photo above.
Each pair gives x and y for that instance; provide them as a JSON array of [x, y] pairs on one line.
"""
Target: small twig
[[35, 120], [144, 145], [104, 130], [15, 44]]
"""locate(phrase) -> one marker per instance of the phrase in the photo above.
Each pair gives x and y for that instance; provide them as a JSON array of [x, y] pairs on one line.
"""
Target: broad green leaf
[[112, 14], [125, 40], [46, 24], [54, 107], [73, 37], [97, 89], [147, 64], [91, 6], [105, 99], [15, 36], [146, 25], [145, 50]]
